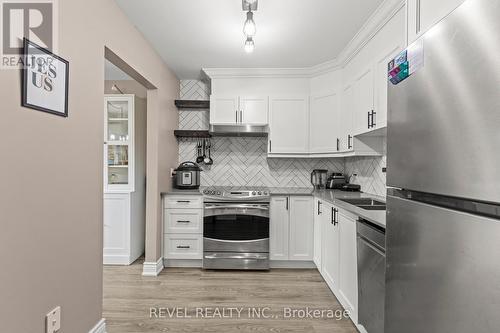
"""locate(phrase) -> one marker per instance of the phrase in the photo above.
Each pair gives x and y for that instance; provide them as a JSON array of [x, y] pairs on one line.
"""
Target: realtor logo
[[34, 20]]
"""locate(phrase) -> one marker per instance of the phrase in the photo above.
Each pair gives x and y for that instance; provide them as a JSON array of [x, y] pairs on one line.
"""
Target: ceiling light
[[249, 45], [249, 29]]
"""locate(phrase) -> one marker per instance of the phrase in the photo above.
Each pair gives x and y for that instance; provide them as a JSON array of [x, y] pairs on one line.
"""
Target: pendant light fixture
[[249, 28], [249, 45]]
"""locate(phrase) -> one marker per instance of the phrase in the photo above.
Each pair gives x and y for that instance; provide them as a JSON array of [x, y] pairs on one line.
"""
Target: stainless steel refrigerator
[[443, 174]]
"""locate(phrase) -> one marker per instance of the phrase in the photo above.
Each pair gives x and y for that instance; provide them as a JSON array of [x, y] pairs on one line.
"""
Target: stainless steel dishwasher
[[371, 275]]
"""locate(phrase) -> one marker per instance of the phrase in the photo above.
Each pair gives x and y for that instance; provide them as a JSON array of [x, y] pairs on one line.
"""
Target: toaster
[[336, 181]]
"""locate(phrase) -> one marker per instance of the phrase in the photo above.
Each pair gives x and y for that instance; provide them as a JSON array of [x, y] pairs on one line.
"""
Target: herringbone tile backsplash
[[244, 162]]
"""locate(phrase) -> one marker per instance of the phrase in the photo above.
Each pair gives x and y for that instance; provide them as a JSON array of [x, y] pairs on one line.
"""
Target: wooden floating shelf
[[192, 104], [191, 134]]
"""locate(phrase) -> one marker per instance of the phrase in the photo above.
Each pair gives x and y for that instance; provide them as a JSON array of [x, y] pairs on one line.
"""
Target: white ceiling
[[191, 34]]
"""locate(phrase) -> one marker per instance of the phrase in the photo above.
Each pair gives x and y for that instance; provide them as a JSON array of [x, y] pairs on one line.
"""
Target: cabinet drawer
[[183, 221], [183, 201], [183, 246]]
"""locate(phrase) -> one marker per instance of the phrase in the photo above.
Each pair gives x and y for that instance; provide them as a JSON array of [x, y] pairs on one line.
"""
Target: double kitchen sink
[[366, 203]]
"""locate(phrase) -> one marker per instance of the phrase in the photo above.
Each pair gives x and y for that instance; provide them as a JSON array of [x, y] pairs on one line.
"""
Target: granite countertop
[[175, 191], [291, 190], [335, 197]]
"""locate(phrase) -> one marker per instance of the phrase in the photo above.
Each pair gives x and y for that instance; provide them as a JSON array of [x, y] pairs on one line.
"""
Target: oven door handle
[[252, 257], [259, 207]]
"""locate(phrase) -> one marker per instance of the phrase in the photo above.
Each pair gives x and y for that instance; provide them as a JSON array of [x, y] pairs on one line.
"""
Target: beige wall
[[126, 86], [51, 174]]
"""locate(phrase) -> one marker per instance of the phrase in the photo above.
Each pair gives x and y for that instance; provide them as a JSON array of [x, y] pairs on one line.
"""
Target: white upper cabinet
[[289, 125], [323, 127], [346, 130], [365, 91], [238, 110], [224, 109], [254, 110], [119, 148], [363, 101], [423, 14], [392, 42]]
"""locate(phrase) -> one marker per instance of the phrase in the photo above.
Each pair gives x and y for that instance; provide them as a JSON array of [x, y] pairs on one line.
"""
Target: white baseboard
[[100, 327], [112, 259], [291, 264], [152, 268], [189, 263]]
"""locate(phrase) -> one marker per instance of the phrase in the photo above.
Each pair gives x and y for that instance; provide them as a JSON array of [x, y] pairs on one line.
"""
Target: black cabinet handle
[[183, 221], [236, 115], [183, 201], [270, 146], [373, 118], [338, 144], [369, 119], [334, 216], [319, 207], [183, 246], [286, 203], [349, 138]]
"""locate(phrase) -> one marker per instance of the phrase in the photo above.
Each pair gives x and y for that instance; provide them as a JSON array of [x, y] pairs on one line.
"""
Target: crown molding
[[383, 14], [375, 22], [227, 73]]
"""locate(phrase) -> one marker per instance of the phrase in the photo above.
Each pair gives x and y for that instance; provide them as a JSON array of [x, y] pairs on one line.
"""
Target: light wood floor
[[128, 298]]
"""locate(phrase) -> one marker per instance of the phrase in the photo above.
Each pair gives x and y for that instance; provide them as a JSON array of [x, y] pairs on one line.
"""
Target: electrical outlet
[[172, 172], [54, 320]]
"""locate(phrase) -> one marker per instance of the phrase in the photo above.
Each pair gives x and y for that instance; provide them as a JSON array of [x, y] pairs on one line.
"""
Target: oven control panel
[[232, 193]]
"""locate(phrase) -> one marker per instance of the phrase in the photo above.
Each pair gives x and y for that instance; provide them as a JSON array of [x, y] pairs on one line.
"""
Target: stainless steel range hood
[[238, 130]]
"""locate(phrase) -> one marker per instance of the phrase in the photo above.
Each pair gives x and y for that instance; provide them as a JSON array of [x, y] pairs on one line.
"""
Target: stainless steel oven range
[[236, 228]]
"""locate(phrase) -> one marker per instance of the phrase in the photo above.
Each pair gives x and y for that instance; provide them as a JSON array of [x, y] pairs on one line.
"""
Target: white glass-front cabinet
[[124, 178], [118, 143]]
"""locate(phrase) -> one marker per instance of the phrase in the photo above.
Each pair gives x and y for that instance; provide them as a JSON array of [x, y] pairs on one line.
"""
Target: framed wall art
[[45, 80]]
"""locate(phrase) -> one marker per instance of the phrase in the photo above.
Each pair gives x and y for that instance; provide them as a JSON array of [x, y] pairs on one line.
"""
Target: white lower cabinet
[[330, 249], [279, 228], [348, 268], [335, 253], [183, 226], [301, 228], [318, 226], [123, 240], [291, 228], [183, 246]]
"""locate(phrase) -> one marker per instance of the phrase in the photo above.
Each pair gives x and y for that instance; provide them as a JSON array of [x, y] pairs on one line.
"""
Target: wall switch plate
[[54, 320]]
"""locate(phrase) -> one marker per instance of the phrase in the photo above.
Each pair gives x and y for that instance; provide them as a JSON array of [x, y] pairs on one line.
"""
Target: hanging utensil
[[205, 148], [208, 160], [200, 157]]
